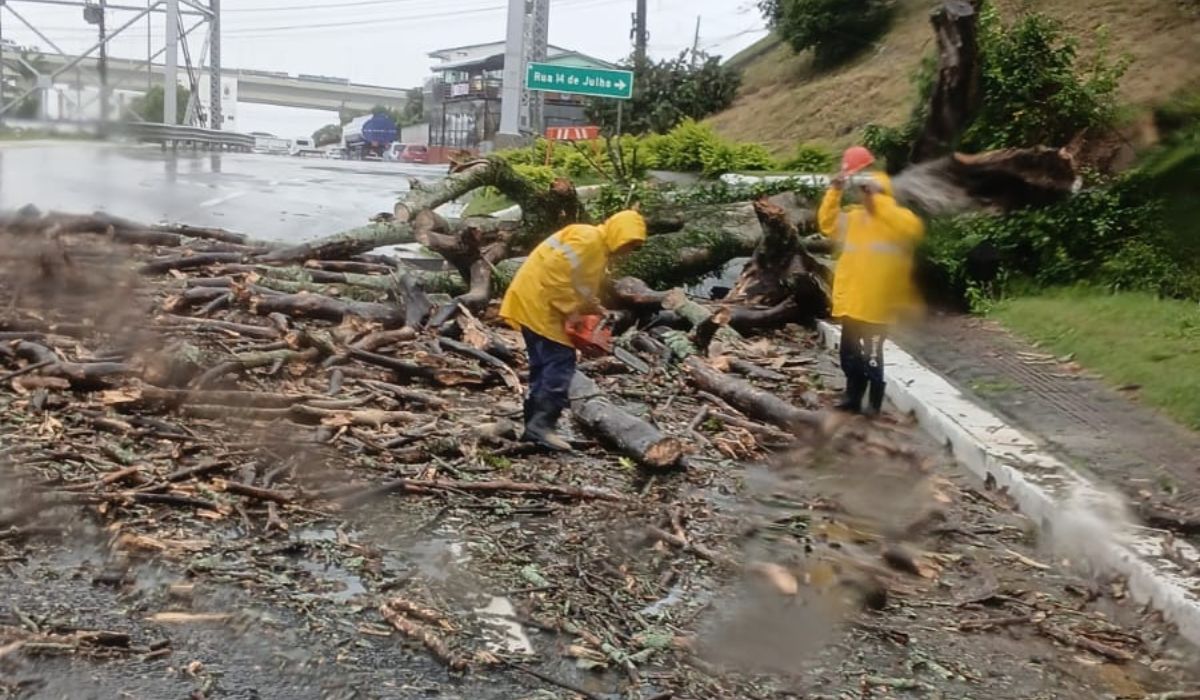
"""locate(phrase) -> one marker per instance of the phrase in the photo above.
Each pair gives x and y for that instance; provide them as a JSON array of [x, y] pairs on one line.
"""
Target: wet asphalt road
[[269, 197]]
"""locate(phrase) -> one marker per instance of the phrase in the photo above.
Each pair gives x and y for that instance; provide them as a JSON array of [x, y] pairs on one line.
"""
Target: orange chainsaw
[[593, 337]]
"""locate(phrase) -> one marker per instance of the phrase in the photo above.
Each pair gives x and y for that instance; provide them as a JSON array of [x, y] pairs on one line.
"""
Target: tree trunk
[[956, 95], [345, 244], [325, 308], [749, 399], [632, 436], [1006, 179]]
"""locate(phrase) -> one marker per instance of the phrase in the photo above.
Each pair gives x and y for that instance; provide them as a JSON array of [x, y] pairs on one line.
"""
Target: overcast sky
[[385, 42]]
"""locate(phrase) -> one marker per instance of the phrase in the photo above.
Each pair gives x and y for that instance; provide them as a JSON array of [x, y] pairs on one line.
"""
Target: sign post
[[573, 80]]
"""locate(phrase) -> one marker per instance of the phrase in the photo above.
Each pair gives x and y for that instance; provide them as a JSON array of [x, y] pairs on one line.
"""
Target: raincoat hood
[[622, 228]]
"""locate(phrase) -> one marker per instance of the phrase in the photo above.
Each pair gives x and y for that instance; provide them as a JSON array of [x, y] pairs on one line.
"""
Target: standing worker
[[872, 284], [557, 285]]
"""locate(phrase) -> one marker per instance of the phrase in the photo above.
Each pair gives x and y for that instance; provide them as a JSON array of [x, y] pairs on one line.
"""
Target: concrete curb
[[1064, 504]]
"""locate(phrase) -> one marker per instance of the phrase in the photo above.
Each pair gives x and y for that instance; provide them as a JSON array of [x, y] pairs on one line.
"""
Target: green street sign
[[596, 82]]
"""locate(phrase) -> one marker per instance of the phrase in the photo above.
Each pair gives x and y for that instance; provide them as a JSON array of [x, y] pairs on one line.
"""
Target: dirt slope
[[784, 101]]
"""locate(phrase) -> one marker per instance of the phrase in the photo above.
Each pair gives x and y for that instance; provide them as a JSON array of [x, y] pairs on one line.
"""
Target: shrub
[[810, 159], [835, 30], [1034, 90]]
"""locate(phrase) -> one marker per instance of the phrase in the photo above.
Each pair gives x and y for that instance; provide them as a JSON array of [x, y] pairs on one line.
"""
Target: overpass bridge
[[253, 86]]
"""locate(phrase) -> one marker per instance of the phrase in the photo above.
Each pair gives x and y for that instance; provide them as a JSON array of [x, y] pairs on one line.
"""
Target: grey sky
[[385, 42]]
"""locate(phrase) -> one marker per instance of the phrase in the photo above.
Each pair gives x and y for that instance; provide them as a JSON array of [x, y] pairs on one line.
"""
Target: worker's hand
[[839, 181]]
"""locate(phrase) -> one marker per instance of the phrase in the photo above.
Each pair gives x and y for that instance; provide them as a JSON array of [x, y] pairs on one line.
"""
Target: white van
[[304, 147]]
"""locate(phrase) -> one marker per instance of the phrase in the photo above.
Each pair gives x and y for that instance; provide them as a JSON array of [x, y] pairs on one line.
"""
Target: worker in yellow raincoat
[[558, 283], [872, 285]]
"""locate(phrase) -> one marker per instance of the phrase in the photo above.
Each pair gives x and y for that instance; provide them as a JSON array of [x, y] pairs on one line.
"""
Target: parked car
[[394, 151], [415, 154]]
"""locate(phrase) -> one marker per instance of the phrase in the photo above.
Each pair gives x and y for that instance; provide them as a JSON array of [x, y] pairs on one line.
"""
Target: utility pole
[[640, 37], [696, 44], [2, 78], [170, 108], [514, 78], [94, 14], [103, 65], [536, 48], [216, 91]]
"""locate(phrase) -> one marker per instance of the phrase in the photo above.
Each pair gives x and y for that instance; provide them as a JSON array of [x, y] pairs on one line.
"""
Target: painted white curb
[[1063, 503]]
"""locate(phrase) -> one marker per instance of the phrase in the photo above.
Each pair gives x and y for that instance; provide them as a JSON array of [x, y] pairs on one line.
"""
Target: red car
[[415, 154]]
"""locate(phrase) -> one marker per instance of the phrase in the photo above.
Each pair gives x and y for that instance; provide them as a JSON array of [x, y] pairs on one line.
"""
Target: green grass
[[1128, 338]]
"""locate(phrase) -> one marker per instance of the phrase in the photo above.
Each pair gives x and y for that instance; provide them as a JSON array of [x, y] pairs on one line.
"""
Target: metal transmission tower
[[527, 40], [52, 65]]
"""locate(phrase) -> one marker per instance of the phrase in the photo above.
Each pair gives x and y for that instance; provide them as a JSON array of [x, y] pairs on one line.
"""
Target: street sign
[[572, 133], [595, 82]]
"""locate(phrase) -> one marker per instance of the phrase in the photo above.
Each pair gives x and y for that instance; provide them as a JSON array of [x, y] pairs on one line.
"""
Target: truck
[[269, 143], [368, 136]]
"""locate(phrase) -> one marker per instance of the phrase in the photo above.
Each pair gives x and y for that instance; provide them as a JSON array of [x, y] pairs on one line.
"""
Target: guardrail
[[194, 136]]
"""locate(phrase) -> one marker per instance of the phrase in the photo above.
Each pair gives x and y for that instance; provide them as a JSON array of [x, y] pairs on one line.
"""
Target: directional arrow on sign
[[621, 84]]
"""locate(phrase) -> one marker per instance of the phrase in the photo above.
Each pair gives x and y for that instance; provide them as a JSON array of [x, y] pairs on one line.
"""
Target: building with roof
[[462, 98]]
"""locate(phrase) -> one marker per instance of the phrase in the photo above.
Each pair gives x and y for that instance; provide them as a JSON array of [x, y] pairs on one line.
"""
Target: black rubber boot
[[540, 422], [856, 386], [875, 399]]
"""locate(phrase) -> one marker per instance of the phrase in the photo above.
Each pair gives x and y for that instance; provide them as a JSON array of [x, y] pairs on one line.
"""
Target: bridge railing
[[175, 136]]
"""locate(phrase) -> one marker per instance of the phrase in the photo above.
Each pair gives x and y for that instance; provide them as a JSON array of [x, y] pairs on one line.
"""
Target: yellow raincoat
[[873, 280], [564, 273]]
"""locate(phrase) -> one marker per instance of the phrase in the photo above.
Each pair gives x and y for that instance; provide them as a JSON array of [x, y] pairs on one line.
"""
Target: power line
[[325, 6], [388, 22]]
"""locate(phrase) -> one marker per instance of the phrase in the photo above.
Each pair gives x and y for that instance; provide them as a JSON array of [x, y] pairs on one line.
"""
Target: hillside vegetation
[[785, 100]]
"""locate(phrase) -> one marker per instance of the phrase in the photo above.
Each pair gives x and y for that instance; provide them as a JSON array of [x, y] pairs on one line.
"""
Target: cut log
[[325, 308], [634, 294], [189, 262], [701, 317], [81, 375], [412, 370], [749, 399], [632, 436], [748, 319], [345, 244]]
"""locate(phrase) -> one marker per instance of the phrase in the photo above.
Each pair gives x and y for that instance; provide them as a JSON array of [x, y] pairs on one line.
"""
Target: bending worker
[[872, 284], [556, 285]]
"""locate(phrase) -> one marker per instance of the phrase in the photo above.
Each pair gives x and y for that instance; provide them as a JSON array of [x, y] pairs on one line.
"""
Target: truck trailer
[[368, 136]]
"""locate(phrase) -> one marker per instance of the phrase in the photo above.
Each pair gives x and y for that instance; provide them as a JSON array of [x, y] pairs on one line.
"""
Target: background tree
[[327, 135], [667, 92], [835, 30], [151, 106]]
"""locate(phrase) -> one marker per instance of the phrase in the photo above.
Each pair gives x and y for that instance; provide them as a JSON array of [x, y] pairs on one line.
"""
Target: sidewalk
[[1096, 429]]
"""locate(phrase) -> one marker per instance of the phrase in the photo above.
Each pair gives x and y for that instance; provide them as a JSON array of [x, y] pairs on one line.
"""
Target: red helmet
[[855, 159]]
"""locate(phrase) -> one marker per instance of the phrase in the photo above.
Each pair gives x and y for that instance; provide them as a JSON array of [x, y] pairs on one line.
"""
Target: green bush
[[695, 147], [835, 30], [1035, 92], [541, 175], [810, 159], [1117, 235]]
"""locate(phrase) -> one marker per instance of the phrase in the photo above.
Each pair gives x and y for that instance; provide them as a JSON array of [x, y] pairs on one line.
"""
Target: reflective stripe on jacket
[[873, 279], [563, 274]]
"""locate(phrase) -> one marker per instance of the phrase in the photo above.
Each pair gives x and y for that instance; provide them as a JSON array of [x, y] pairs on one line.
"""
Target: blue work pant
[[551, 367]]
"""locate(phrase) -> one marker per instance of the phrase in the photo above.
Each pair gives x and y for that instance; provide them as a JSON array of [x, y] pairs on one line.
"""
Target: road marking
[[221, 200]]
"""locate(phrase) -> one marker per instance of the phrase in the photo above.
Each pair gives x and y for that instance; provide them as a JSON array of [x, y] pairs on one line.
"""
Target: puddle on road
[[500, 615], [345, 585]]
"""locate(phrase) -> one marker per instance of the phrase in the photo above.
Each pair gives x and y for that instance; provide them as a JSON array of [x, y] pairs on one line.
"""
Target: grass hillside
[[784, 100]]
